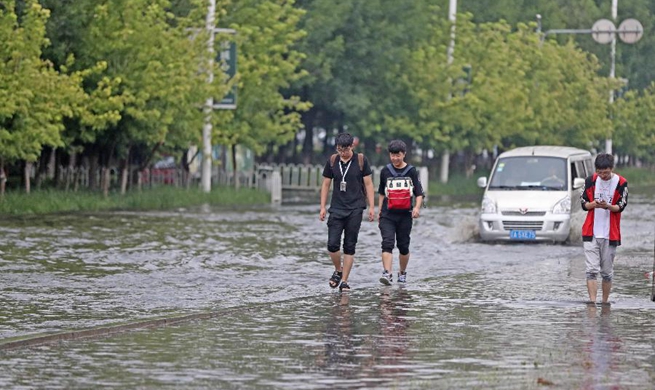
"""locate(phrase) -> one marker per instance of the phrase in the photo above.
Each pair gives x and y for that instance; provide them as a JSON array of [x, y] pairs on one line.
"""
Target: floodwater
[[472, 315]]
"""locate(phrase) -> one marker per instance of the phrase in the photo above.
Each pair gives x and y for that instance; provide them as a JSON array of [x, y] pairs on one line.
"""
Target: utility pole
[[604, 31], [608, 141], [452, 15], [206, 173], [228, 59]]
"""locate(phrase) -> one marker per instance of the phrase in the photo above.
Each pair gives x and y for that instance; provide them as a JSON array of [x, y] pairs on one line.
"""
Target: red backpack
[[399, 189]]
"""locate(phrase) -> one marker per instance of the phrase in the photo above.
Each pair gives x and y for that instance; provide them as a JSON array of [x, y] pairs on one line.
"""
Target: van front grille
[[527, 214], [523, 225]]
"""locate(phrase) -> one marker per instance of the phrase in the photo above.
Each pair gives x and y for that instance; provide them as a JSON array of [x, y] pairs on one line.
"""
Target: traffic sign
[[630, 30], [227, 58], [603, 31]]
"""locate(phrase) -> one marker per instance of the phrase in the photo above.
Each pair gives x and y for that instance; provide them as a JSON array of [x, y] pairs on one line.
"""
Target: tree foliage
[[119, 79], [35, 97], [267, 65]]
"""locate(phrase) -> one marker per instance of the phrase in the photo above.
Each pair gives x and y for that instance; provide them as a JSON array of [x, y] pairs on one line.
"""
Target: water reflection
[[393, 340], [601, 349], [340, 354]]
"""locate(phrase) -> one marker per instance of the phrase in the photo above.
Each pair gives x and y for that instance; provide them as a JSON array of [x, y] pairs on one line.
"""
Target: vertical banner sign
[[227, 58]]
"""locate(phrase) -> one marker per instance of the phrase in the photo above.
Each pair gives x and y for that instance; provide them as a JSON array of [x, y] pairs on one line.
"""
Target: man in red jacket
[[604, 197]]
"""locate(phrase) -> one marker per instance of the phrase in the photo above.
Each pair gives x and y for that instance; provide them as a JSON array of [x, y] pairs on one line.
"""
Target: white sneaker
[[386, 278], [402, 277]]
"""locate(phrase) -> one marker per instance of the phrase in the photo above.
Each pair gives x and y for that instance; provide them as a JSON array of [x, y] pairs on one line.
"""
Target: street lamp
[[604, 31], [452, 15], [210, 105]]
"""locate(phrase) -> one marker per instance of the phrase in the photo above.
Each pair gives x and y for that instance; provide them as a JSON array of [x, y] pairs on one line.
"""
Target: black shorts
[[346, 223], [395, 229]]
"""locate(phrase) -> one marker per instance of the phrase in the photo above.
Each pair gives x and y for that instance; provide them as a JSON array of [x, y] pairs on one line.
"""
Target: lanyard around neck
[[343, 174]]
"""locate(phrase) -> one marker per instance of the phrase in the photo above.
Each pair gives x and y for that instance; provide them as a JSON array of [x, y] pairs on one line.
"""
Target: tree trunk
[[3, 178], [124, 171], [105, 181], [28, 172], [70, 172], [41, 169], [234, 166], [52, 164], [445, 166], [76, 180], [94, 180], [186, 162], [469, 163], [223, 166]]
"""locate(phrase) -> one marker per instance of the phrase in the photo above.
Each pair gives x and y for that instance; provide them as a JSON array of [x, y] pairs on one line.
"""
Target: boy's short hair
[[397, 146], [604, 161], [344, 140]]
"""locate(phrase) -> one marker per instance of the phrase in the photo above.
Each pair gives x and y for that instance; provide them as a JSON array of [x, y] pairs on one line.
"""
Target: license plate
[[522, 235]]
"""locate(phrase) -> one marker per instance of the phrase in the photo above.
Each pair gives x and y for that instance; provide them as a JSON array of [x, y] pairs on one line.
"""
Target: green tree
[[150, 53], [267, 65], [634, 121], [520, 92], [354, 52], [35, 97]]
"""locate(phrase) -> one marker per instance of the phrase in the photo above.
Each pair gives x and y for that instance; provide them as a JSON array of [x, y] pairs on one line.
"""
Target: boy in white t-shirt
[[604, 197]]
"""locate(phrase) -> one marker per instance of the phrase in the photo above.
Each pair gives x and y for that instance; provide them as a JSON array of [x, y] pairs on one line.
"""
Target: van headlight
[[563, 206], [488, 206]]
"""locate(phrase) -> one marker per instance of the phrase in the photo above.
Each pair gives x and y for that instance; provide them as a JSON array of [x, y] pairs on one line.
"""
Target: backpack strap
[[395, 173], [392, 170], [360, 158]]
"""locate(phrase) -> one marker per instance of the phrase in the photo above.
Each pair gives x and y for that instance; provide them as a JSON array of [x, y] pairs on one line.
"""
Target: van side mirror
[[482, 182], [578, 182]]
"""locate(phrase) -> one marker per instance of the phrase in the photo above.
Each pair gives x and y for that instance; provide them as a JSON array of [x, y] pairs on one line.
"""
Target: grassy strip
[[158, 198], [458, 184], [167, 197], [638, 177]]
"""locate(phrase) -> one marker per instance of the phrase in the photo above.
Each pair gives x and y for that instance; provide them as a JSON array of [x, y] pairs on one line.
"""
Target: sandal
[[335, 279], [344, 286]]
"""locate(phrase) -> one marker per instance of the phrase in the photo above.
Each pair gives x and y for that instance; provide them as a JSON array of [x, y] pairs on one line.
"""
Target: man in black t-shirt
[[352, 190]]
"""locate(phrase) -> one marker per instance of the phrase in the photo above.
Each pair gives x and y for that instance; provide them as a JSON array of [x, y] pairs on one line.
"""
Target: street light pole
[[604, 31], [452, 15], [209, 103], [608, 141]]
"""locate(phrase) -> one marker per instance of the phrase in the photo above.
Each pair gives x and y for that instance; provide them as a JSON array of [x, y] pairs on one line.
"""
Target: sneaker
[[386, 278], [402, 277]]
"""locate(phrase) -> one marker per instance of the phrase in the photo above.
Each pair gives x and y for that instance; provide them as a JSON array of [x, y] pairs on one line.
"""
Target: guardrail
[[287, 178], [282, 181]]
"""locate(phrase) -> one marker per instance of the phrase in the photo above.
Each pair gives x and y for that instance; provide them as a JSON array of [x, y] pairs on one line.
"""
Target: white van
[[533, 194]]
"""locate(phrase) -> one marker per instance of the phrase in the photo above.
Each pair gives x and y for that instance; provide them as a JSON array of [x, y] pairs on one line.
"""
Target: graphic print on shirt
[[604, 191]]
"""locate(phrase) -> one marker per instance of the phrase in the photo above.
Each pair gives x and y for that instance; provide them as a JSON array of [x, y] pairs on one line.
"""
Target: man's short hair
[[344, 140], [397, 146], [604, 161]]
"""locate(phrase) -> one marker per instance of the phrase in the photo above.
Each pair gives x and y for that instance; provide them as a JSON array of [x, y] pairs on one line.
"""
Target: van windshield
[[530, 173]]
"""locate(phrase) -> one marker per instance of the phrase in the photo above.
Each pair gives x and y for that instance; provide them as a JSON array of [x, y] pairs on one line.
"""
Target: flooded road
[[471, 315]]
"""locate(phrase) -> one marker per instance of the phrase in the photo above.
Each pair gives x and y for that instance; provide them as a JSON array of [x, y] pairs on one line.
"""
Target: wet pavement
[[472, 315]]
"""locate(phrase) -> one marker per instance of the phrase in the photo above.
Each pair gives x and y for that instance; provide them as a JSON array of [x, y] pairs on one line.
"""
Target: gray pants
[[600, 258]]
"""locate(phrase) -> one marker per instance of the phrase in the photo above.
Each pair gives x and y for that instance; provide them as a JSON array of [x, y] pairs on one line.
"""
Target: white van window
[[589, 167], [578, 170], [529, 173]]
